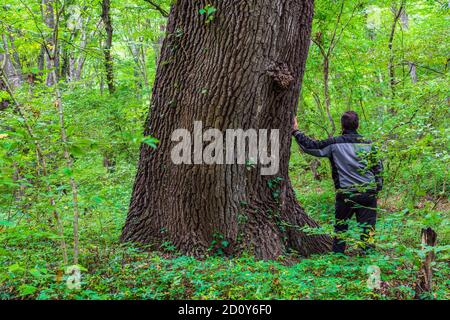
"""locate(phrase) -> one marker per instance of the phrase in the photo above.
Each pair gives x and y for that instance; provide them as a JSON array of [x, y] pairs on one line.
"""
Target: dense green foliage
[[407, 117]]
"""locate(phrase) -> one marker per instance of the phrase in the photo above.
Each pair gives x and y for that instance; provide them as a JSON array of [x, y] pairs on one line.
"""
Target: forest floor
[[30, 259]]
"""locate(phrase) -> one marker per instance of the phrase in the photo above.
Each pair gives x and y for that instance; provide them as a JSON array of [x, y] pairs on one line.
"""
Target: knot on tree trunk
[[281, 75]]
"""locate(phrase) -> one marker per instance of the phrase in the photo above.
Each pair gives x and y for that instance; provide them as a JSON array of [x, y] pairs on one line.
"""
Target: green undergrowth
[[31, 268]]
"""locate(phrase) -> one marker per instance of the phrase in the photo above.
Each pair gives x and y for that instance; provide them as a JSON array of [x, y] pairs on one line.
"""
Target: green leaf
[[67, 171], [27, 289], [151, 141], [97, 199], [211, 10], [15, 268], [76, 150], [6, 223]]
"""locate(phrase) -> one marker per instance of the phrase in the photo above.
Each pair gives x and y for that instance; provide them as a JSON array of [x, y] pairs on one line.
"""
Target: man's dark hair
[[350, 120]]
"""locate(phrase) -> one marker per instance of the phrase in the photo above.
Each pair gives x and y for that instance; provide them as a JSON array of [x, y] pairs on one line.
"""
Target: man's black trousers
[[364, 206]]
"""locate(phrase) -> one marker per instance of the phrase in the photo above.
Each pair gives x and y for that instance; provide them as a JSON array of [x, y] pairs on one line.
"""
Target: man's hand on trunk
[[295, 125]]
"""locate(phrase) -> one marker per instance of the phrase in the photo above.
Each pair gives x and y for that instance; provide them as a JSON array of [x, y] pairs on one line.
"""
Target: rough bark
[[241, 70]]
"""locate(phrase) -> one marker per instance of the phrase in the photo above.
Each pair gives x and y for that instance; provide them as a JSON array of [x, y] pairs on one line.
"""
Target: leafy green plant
[[208, 11], [219, 244]]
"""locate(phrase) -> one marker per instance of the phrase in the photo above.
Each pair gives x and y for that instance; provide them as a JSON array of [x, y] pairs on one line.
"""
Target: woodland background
[[76, 79]]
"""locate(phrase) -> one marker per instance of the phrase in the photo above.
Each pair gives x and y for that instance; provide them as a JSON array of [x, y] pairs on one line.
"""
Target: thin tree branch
[[157, 7], [335, 28]]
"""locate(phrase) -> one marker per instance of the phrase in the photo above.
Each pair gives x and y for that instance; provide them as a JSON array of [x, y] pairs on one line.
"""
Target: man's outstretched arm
[[318, 148]]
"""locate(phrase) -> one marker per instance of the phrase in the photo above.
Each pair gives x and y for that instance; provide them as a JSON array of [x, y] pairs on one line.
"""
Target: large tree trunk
[[241, 70]]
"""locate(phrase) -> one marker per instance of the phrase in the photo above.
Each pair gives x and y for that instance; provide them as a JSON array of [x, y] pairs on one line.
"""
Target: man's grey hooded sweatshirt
[[353, 159]]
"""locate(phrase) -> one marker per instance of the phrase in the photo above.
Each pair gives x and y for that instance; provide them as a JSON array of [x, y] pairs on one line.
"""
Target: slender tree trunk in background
[[49, 19], [412, 72], [106, 18], [139, 71], [69, 164], [326, 93], [71, 71], [139, 52], [13, 74], [158, 44], [144, 69], [101, 84], [326, 55], [85, 37], [64, 73], [41, 60], [326, 80], [404, 19], [15, 53], [391, 66], [52, 52], [242, 70], [11, 51]]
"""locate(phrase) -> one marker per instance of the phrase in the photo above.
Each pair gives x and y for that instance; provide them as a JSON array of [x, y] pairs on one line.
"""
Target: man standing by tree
[[356, 173]]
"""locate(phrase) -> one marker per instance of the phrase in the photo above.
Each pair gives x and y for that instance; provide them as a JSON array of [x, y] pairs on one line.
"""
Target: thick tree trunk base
[[265, 227], [240, 69]]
